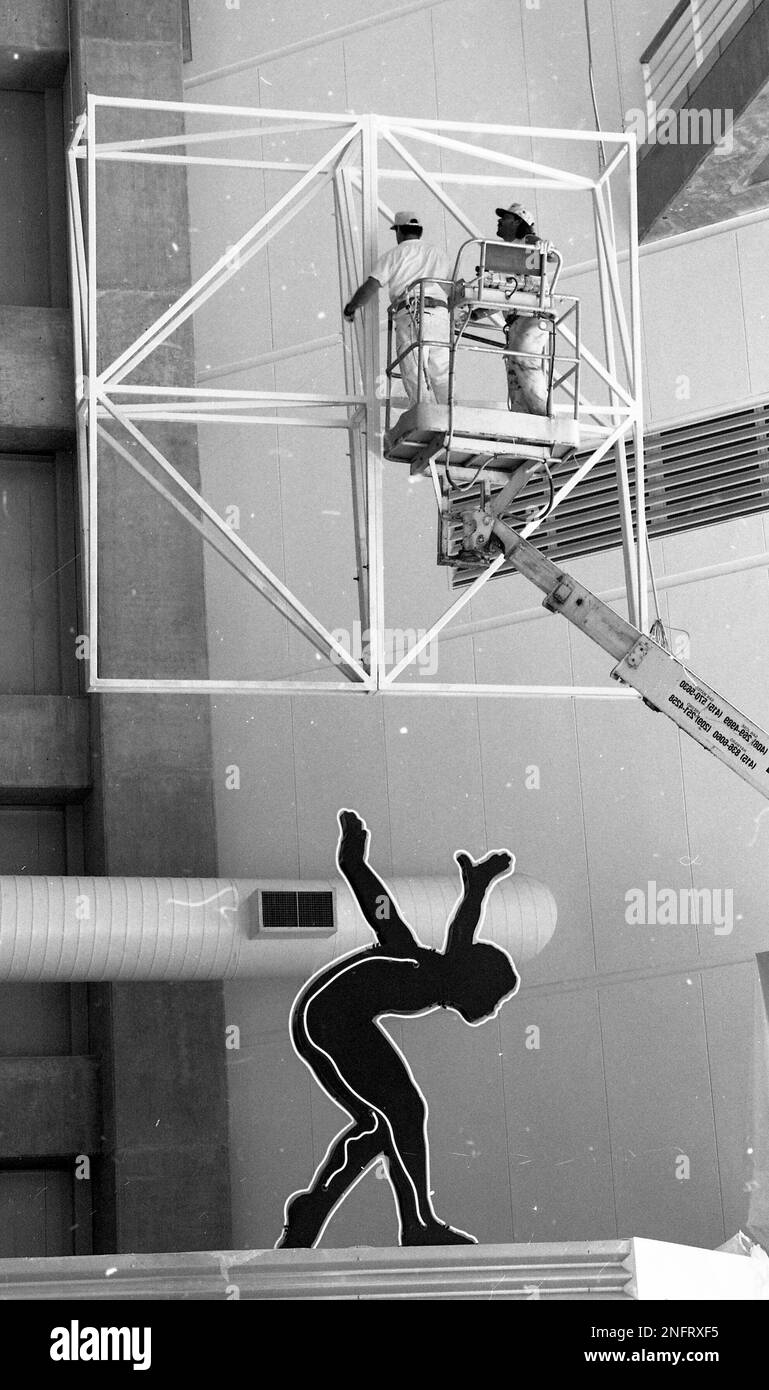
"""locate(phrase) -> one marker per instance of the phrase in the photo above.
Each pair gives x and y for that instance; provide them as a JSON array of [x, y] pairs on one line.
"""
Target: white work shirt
[[409, 261]]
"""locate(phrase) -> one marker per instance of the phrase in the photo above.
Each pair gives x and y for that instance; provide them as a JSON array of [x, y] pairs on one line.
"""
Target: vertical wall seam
[[736, 237], [620, 88], [608, 1114], [575, 723], [298, 856], [712, 1105], [501, 1059]]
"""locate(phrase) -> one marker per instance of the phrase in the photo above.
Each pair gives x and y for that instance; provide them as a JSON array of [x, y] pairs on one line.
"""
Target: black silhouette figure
[[335, 1030]]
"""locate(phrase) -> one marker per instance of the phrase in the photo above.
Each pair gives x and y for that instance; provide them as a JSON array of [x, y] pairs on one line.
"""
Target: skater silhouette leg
[[388, 1113], [477, 878]]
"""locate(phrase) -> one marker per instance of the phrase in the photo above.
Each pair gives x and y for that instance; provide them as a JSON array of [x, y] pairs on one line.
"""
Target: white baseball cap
[[405, 219], [517, 210]]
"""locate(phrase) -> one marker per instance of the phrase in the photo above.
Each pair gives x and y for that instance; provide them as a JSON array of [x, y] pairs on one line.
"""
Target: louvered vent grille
[[293, 912], [696, 475]]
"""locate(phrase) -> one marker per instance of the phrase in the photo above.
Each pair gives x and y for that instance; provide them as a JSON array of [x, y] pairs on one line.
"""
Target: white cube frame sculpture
[[351, 165]]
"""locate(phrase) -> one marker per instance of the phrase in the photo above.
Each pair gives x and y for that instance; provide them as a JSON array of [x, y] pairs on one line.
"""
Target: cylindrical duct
[[76, 929]]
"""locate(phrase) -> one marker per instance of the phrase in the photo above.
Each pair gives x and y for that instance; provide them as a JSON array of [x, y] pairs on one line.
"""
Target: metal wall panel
[[557, 1124], [661, 1110], [730, 996], [698, 355]]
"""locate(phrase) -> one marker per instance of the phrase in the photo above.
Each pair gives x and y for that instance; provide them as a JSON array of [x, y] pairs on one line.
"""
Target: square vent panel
[[295, 913], [697, 474]]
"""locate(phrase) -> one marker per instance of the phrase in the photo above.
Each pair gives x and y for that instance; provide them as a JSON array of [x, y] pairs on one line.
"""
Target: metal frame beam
[[351, 167]]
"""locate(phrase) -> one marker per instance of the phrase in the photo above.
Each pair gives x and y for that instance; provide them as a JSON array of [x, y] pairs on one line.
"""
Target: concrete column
[[44, 750], [36, 379], [48, 1107], [167, 1177]]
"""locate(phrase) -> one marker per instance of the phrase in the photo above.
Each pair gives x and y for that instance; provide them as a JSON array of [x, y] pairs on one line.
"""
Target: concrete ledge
[[37, 388], [31, 69], [34, 54], [44, 748], [48, 1107], [598, 1270], [575, 1270]]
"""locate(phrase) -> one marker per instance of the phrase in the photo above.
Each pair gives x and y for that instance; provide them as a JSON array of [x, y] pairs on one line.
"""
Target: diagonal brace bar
[[274, 590], [435, 189], [228, 264]]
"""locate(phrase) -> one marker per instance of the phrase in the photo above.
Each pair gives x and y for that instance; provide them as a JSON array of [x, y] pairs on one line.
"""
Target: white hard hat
[[517, 210], [406, 219]]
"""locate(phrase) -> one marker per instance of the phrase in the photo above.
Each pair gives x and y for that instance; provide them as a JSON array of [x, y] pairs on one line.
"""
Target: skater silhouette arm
[[371, 894]]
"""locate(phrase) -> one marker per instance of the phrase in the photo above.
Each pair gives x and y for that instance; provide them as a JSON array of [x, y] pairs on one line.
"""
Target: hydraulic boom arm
[[665, 684]]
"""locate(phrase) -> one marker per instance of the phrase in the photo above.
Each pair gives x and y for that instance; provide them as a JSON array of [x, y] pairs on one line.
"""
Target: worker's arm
[[362, 295]]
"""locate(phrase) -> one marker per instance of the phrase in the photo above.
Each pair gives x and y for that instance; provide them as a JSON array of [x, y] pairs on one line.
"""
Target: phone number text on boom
[[691, 712]]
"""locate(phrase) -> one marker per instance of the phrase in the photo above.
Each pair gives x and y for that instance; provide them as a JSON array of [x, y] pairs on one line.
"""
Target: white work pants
[[435, 359], [527, 376]]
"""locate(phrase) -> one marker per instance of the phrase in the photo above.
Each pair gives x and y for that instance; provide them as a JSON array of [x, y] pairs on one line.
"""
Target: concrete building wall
[[155, 1126], [632, 1115], [163, 1179], [44, 765]]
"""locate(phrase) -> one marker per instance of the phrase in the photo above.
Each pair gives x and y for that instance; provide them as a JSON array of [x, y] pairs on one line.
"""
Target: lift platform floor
[[423, 431]]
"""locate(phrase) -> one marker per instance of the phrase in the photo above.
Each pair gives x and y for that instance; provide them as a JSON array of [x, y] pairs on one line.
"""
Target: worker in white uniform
[[409, 260], [527, 376]]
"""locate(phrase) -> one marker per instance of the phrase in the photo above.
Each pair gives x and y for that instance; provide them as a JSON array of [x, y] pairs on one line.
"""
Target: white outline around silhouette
[[363, 960]]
